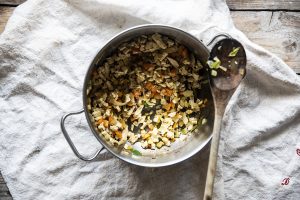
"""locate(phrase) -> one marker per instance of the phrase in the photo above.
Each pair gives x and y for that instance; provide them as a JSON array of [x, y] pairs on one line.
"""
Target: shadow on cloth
[[186, 179]]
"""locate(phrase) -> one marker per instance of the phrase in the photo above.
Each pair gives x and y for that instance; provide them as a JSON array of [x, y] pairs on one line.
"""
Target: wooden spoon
[[224, 81]]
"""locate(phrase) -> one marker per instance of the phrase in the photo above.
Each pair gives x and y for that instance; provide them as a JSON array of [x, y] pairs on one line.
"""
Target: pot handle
[[63, 129], [217, 36]]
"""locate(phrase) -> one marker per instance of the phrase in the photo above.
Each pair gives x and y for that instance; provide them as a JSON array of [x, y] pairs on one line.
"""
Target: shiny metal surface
[[179, 150], [74, 149]]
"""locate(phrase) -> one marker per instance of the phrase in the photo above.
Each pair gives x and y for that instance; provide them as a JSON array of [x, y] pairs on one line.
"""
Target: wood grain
[[5, 13], [292, 5], [11, 2], [276, 31], [4, 192], [232, 4]]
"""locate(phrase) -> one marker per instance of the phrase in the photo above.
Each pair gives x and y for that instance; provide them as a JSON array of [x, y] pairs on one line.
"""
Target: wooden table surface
[[273, 24]]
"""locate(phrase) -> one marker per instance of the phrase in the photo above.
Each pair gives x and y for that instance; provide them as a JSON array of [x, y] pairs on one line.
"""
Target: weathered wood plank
[[233, 4], [6, 198], [276, 31], [4, 192], [264, 5], [11, 2], [5, 13]]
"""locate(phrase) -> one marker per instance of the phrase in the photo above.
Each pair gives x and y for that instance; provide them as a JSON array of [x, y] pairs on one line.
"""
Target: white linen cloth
[[45, 51]]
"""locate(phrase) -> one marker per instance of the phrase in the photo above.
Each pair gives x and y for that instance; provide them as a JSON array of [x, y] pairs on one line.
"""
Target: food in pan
[[147, 92], [215, 64]]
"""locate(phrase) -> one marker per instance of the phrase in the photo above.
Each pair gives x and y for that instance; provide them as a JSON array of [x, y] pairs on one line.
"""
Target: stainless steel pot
[[178, 151]]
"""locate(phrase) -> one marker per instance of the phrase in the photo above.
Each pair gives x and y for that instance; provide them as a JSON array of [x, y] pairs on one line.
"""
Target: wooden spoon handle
[[212, 159], [221, 98]]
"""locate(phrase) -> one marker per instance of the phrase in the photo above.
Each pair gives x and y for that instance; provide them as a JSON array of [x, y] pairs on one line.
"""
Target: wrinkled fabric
[[45, 51]]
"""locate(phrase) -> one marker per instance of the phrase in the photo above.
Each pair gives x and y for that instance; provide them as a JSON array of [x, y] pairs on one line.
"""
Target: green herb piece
[[136, 152], [184, 131], [214, 72], [215, 64], [234, 52], [145, 104]]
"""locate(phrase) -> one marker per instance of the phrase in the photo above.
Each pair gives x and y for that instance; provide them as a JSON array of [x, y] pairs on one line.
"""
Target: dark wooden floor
[[4, 192], [273, 24]]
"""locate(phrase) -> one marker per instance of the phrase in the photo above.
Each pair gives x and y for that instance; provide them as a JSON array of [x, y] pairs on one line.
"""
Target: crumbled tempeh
[[146, 92]]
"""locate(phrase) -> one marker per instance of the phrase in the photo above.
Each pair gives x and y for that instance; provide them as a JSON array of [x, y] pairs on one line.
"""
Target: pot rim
[[84, 97]]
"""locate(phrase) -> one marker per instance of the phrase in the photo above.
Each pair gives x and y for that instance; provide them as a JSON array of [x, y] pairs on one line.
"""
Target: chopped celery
[[234, 52], [214, 72], [215, 64]]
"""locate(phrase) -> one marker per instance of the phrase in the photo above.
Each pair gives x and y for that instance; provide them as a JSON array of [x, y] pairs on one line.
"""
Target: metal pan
[[179, 150]]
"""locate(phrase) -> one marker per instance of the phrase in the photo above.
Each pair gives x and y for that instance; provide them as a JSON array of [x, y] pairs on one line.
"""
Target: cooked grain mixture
[[146, 92]]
